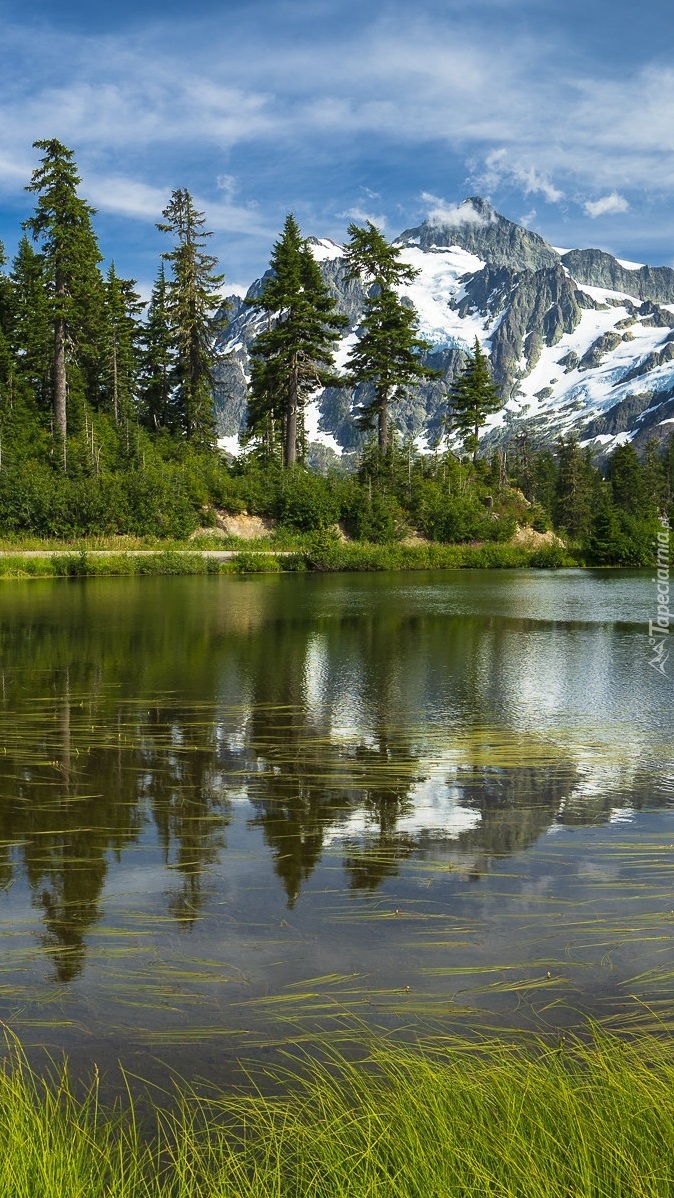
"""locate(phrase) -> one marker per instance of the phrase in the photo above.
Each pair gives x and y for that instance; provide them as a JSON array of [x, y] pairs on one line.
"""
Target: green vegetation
[[107, 421], [452, 1121]]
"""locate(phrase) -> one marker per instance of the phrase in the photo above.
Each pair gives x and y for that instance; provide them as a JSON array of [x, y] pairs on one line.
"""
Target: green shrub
[[306, 501], [549, 557]]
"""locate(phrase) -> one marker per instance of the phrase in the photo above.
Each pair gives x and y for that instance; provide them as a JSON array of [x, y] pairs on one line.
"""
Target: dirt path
[[218, 554]]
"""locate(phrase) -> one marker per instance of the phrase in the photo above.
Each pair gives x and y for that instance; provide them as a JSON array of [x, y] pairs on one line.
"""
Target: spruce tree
[[626, 475], [196, 317], [6, 321], [472, 397], [62, 223], [32, 331], [576, 489], [295, 354], [387, 353], [122, 331], [7, 369], [157, 363]]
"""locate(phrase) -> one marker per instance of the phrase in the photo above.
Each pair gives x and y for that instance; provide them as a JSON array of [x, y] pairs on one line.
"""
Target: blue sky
[[562, 114]]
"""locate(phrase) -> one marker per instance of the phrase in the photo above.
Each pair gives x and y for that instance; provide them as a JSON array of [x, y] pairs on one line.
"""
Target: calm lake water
[[236, 811]]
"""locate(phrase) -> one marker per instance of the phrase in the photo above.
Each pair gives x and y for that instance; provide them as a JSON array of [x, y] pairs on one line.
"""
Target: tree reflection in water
[[135, 712]]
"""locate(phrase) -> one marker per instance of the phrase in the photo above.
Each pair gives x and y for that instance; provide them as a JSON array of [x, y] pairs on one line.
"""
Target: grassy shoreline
[[588, 1120], [322, 554]]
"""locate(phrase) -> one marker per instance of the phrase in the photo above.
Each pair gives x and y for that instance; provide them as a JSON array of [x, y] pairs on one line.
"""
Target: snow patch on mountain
[[572, 357]]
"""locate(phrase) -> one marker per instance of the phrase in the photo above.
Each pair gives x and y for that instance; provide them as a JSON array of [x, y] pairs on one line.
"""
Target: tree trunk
[[382, 423], [60, 385], [115, 385], [290, 447]]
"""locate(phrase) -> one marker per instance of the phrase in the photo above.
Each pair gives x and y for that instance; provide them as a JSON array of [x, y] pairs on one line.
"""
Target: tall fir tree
[[386, 356], [122, 331], [575, 490], [626, 475], [472, 397], [7, 369], [295, 354], [63, 225], [32, 325], [157, 362], [196, 316]]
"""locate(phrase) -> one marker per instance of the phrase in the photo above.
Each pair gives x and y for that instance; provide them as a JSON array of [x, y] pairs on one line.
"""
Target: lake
[[236, 811]]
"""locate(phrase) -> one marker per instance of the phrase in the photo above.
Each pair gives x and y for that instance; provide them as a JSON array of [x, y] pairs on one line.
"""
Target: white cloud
[[498, 171], [442, 213], [227, 183], [606, 205], [125, 196], [361, 216]]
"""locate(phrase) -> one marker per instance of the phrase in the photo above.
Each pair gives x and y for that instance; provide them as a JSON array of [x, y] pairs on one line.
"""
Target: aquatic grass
[[371, 1119]]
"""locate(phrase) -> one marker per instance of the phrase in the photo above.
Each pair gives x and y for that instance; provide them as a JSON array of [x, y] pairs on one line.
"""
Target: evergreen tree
[[575, 490], [7, 371], [654, 480], [62, 222], [294, 355], [196, 316], [32, 332], [387, 354], [123, 307], [668, 466], [473, 396], [158, 361], [6, 320], [626, 475]]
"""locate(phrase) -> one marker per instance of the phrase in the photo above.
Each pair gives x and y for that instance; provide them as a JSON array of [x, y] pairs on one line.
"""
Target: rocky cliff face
[[579, 342], [594, 268]]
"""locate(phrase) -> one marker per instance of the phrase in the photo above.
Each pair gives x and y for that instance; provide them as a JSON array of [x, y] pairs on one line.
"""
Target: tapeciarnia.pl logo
[[658, 630]]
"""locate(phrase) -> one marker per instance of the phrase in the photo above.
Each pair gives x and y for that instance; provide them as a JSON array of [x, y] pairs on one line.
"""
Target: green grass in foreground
[[582, 1121]]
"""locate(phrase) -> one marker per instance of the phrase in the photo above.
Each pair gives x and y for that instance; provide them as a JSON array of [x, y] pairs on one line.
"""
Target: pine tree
[[123, 307], [7, 368], [575, 490], [6, 321], [158, 359], [473, 396], [32, 331], [626, 475], [387, 353], [295, 354], [62, 222], [196, 316]]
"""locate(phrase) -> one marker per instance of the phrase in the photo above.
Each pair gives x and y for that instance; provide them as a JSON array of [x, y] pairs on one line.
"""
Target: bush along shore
[[323, 554], [405, 511], [588, 1120]]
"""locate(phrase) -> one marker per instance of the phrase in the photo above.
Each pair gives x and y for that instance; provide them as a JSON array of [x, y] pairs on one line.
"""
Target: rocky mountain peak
[[579, 341], [477, 227]]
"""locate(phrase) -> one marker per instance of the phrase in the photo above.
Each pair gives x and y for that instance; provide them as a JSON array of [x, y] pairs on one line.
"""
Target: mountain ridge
[[579, 342]]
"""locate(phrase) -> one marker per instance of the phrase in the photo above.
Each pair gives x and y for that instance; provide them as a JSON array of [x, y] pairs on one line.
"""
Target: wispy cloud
[[280, 110], [360, 216], [606, 205], [497, 171]]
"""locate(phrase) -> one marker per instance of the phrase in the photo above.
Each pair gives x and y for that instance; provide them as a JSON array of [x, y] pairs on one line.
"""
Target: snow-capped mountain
[[579, 341]]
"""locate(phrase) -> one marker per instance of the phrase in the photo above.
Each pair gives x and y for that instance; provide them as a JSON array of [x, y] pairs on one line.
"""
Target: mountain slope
[[579, 342]]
